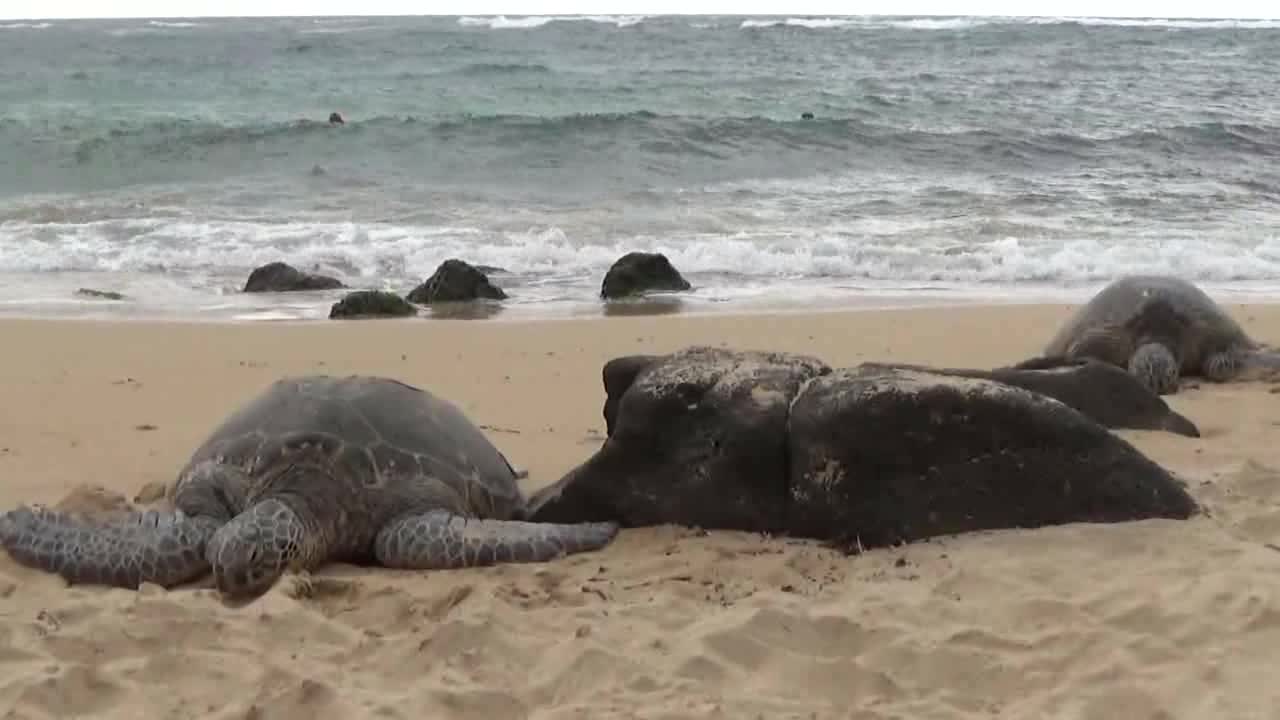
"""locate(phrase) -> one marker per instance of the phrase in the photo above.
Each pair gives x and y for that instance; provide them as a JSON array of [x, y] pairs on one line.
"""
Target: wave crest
[[403, 255], [705, 147], [502, 22]]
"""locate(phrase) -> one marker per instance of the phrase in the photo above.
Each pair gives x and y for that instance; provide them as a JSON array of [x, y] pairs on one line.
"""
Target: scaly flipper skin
[[164, 548], [1259, 363], [439, 540]]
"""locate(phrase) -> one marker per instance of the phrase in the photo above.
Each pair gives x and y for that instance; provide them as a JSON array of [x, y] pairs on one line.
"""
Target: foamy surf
[[940, 22], [216, 295], [215, 254], [502, 22], [1049, 157]]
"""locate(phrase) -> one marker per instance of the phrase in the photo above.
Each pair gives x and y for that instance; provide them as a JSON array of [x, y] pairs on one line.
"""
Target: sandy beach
[[1158, 619]]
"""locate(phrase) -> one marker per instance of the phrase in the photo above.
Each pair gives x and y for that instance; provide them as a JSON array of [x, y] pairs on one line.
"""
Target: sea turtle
[[860, 457], [359, 469], [1161, 327], [1106, 394]]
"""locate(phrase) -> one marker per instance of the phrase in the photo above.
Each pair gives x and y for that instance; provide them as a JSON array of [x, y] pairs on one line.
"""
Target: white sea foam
[[502, 22], [25, 26], [961, 23], [1173, 23], [337, 29], [812, 23], [550, 274], [217, 255], [172, 24], [825, 23]]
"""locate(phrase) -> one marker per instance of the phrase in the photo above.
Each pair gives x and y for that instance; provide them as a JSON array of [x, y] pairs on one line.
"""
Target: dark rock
[[490, 269], [1107, 394], [638, 272], [700, 439], [901, 455], [866, 456], [371, 304], [99, 294], [282, 277], [455, 281]]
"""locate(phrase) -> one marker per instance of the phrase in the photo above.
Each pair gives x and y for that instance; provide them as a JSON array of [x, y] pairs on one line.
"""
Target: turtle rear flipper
[[165, 548], [440, 540], [1259, 363]]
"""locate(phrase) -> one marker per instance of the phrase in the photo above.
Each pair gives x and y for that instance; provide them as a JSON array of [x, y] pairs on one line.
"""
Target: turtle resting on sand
[[1161, 328], [860, 457], [1104, 393], [356, 469]]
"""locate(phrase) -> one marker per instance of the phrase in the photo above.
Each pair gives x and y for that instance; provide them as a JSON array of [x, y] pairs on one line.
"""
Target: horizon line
[[290, 16]]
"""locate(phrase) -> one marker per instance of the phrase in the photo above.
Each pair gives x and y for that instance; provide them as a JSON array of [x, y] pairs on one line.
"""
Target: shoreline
[[657, 305], [465, 313]]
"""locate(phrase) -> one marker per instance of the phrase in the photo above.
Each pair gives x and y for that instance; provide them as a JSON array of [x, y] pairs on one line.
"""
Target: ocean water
[[947, 159]]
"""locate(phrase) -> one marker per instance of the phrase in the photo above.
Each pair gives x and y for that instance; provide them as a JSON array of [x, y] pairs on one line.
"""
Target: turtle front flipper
[[1260, 363], [164, 548], [440, 540]]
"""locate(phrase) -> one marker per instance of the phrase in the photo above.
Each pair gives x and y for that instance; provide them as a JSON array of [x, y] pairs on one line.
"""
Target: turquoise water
[[946, 157]]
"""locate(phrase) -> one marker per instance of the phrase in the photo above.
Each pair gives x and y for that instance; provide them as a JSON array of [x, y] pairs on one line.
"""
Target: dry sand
[[1158, 619]]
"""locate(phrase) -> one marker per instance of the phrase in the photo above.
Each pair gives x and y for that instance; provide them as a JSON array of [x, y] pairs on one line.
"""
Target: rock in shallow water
[[99, 294], [282, 277], [455, 281], [371, 304], [637, 273]]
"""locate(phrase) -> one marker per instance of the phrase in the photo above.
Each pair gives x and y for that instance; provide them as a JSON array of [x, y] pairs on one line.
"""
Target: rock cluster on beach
[[457, 281]]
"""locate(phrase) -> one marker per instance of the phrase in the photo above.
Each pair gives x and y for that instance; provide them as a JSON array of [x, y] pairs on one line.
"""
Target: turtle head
[[1154, 366], [250, 553]]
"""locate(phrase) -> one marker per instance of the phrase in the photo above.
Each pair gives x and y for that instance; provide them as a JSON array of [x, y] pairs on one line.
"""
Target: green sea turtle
[[357, 469], [1161, 328], [862, 457]]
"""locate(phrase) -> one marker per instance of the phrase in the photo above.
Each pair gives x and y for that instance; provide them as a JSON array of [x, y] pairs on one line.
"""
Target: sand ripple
[[1157, 619], [1154, 619]]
